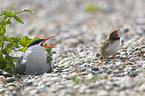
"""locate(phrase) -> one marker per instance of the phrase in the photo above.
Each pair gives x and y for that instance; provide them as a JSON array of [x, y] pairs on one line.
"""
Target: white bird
[[34, 59], [111, 45]]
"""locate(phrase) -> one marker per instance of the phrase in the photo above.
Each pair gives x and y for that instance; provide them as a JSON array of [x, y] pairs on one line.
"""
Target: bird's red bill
[[47, 46], [116, 34]]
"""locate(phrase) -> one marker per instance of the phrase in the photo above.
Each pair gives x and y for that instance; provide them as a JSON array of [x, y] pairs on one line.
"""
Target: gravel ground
[[78, 70]]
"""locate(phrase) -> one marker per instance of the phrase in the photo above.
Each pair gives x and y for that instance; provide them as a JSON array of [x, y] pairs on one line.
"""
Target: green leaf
[[7, 51], [26, 10], [9, 45], [23, 49], [93, 8], [15, 59], [18, 19], [35, 38], [75, 79], [7, 22], [10, 62], [17, 39], [25, 41], [3, 61], [3, 31], [48, 50], [9, 14], [49, 58], [1, 42], [94, 79], [10, 39], [13, 45], [11, 7]]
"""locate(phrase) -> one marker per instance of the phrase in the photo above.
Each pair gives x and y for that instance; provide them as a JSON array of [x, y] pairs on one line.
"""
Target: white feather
[[112, 48]]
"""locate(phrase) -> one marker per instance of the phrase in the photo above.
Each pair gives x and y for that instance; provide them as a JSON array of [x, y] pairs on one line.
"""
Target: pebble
[[143, 66], [89, 91], [83, 54], [2, 90], [77, 63], [95, 69], [102, 93], [64, 92], [82, 89]]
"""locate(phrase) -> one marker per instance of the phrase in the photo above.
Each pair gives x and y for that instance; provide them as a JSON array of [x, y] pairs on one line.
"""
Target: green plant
[[93, 9], [94, 79], [7, 62], [75, 79]]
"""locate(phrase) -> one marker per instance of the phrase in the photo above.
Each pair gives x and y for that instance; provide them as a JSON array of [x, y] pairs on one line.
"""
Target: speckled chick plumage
[[111, 45]]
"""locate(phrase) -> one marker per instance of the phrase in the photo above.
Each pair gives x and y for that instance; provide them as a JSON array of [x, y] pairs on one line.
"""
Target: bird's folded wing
[[21, 66], [104, 44]]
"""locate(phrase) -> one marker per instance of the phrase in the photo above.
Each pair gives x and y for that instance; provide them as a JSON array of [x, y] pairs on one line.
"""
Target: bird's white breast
[[112, 48]]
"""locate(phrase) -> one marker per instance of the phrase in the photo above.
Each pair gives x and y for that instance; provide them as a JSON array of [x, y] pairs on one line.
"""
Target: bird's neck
[[113, 39]]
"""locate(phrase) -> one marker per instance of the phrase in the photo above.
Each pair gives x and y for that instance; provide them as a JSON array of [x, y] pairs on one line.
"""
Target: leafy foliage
[[49, 58], [7, 62], [94, 79], [75, 79], [93, 9]]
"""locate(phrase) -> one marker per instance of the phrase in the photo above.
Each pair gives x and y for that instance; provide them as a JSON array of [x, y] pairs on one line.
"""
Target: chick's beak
[[116, 34], [47, 46]]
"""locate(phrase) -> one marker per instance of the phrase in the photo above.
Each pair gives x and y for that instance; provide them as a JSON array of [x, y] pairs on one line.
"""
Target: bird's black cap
[[36, 42]]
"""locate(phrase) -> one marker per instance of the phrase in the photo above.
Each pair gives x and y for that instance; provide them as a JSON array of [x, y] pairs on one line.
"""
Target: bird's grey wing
[[21, 66], [104, 44]]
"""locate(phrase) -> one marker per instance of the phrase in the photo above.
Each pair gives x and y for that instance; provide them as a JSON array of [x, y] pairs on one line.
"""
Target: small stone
[[118, 64], [82, 69], [85, 73], [2, 77], [113, 93], [111, 66], [76, 86], [55, 79], [33, 92], [48, 84], [83, 54], [94, 85], [89, 57], [109, 71], [77, 63], [143, 66], [64, 92], [10, 84], [95, 69], [89, 76], [10, 79], [115, 71], [89, 91], [2, 90], [11, 87], [102, 93], [104, 67], [27, 89], [94, 58], [82, 89]]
